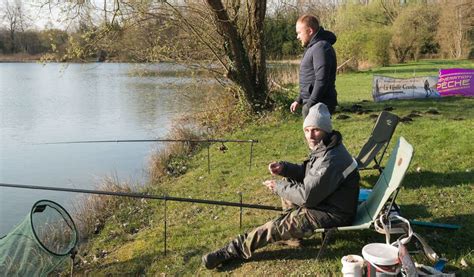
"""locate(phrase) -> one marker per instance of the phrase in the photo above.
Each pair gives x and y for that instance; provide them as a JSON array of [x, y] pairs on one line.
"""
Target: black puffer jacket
[[327, 181], [318, 71]]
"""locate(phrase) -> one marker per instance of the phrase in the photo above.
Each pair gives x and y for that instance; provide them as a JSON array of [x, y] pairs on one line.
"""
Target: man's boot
[[213, 259]]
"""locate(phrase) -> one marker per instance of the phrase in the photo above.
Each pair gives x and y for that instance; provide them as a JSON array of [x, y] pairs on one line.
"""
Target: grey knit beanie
[[319, 117]]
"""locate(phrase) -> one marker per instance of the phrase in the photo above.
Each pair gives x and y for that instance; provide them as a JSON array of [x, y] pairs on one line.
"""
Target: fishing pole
[[251, 141], [154, 140], [165, 198], [147, 196]]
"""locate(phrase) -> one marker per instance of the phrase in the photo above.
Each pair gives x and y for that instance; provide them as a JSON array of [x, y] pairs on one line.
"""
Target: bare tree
[[246, 52], [324, 10], [391, 8], [455, 23], [16, 19], [225, 36]]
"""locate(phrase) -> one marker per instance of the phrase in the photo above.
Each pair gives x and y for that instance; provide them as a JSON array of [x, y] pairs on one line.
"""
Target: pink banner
[[456, 81]]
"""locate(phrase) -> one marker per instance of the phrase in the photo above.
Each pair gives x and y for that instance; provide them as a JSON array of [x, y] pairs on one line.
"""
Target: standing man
[[323, 190], [318, 66]]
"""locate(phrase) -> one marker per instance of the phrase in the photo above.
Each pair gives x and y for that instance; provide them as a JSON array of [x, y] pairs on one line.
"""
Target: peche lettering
[[453, 84]]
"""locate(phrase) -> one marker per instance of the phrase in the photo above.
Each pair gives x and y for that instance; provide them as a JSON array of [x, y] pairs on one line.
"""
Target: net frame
[[39, 245], [67, 218]]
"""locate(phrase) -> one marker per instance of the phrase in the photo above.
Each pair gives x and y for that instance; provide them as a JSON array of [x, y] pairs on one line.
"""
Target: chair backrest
[[379, 139], [388, 182]]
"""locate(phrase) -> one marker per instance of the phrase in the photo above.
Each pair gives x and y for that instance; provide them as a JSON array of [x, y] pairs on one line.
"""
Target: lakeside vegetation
[[438, 188]]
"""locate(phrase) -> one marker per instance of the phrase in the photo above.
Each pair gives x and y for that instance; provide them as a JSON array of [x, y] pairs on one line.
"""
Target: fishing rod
[[165, 198], [251, 141], [154, 140], [147, 196]]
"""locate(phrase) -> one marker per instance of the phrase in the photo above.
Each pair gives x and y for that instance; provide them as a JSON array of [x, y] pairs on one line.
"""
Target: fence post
[[241, 210], [208, 159], [251, 154], [165, 226]]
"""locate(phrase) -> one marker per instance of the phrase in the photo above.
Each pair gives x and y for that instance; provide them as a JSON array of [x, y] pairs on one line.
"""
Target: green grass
[[438, 188]]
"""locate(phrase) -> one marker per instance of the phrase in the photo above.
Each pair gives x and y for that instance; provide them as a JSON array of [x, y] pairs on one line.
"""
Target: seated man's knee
[[287, 205]]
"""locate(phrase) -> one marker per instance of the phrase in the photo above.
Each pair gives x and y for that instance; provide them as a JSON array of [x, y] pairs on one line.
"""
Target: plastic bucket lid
[[380, 254]]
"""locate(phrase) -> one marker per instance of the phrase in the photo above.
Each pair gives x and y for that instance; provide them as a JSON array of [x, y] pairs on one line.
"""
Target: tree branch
[[197, 34]]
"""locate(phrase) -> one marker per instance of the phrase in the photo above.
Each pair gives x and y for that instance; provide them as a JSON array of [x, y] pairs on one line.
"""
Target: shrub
[[171, 160], [377, 47], [351, 45], [419, 20], [280, 35], [92, 211]]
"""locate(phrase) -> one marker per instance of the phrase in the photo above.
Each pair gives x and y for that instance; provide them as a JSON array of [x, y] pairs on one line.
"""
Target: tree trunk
[[257, 50], [12, 38], [247, 67], [459, 37]]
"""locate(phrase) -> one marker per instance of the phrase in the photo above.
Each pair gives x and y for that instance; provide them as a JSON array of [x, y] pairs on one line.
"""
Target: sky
[[38, 17], [41, 14], [46, 14]]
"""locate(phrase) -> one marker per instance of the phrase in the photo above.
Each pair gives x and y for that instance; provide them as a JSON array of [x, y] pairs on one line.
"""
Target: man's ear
[[315, 31]]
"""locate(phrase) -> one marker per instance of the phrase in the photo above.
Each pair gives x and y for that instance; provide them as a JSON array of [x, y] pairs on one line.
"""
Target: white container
[[382, 258], [352, 266]]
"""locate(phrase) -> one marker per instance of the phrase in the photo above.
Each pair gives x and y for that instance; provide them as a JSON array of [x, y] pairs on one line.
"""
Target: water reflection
[[44, 103]]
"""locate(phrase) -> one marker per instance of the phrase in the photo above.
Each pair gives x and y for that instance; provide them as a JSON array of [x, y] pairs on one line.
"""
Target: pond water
[[57, 102]]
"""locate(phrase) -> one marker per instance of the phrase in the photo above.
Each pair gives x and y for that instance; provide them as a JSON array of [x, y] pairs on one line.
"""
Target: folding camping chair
[[378, 140], [383, 194]]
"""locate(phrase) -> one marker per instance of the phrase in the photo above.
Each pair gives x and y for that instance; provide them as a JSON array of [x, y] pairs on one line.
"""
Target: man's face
[[303, 33], [313, 136]]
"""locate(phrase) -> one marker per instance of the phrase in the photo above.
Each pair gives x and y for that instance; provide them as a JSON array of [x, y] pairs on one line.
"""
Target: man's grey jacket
[[328, 181], [318, 71]]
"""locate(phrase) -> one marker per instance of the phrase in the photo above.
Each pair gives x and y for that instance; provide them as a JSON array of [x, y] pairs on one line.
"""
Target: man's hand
[[275, 168], [294, 106], [270, 184]]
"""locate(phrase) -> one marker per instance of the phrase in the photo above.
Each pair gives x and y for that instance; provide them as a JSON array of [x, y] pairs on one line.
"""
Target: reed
[[171, 159], [92, 211], [283, 75]]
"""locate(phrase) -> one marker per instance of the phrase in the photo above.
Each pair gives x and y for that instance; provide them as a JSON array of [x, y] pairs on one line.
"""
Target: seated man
[[324, 191]]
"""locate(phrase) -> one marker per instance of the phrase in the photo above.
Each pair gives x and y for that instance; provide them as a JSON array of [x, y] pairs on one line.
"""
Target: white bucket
[[383, 259], [352, 265]]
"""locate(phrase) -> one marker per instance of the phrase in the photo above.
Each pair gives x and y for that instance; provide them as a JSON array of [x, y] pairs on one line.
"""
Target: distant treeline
[[383, 32], [33, 42], [369, 33]]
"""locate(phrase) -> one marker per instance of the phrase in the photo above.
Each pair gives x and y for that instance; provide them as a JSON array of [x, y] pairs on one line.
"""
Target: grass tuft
[[92, 211], [172, 159]]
